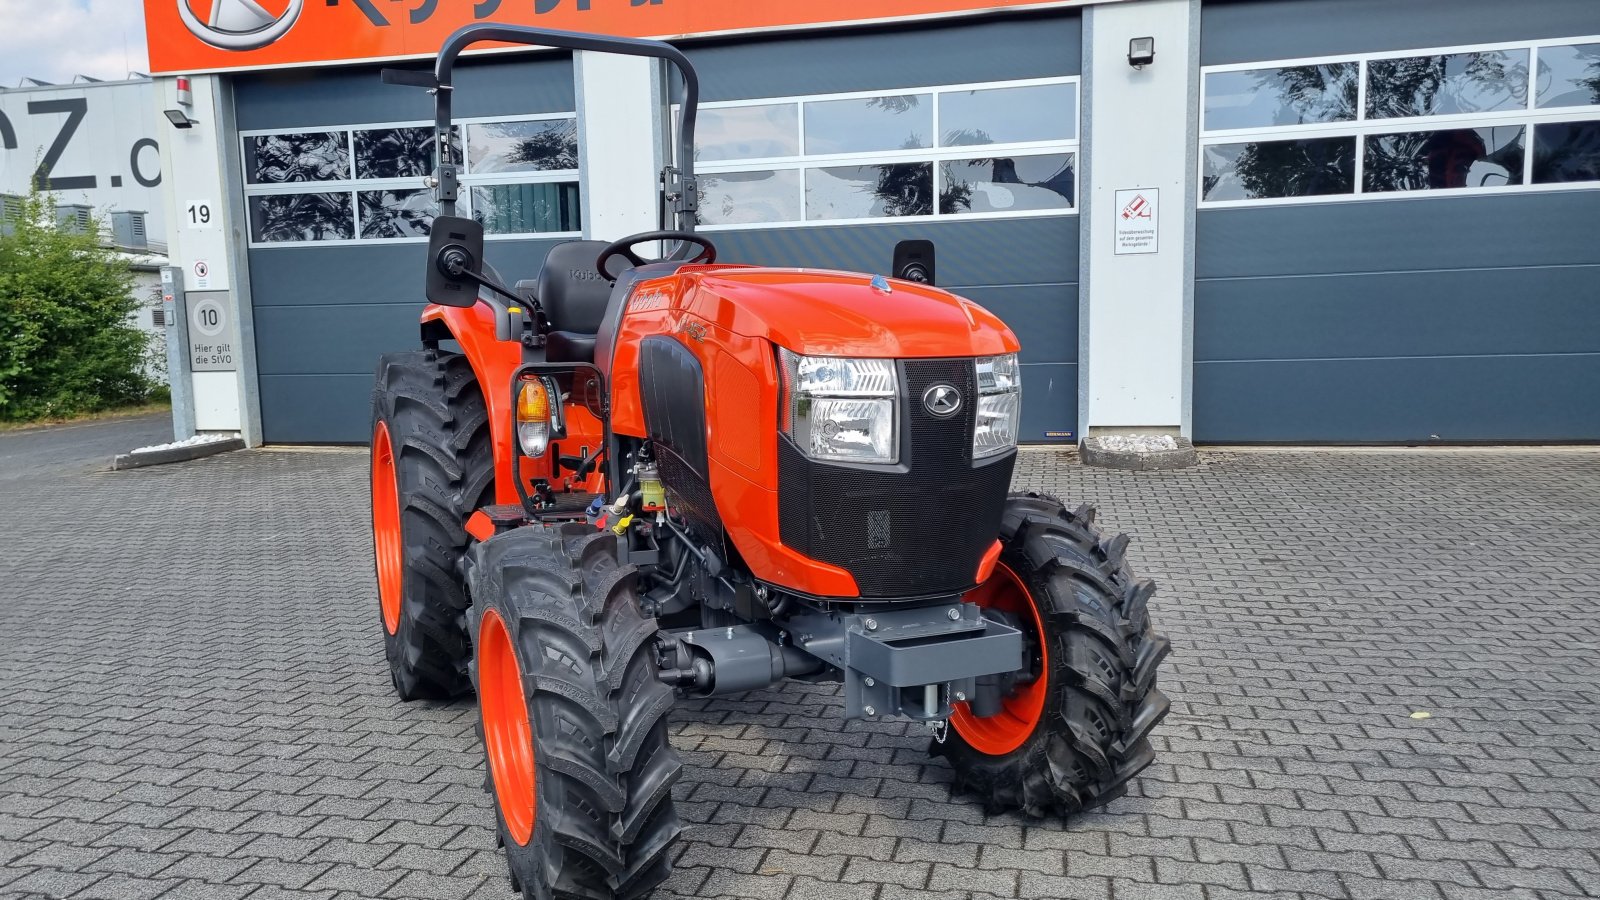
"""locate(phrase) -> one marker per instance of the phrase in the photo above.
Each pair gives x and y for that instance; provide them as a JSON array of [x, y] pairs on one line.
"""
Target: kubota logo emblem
[[942, 400], [240, 24]]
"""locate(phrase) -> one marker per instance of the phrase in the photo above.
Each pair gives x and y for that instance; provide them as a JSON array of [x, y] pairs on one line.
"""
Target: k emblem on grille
[[942, 400]]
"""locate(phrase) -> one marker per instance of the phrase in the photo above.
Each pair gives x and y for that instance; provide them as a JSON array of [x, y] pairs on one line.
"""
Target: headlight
[[841, 409], [999, 405]]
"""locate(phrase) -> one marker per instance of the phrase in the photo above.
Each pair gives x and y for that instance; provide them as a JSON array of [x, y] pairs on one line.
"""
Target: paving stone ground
[[193, 701]]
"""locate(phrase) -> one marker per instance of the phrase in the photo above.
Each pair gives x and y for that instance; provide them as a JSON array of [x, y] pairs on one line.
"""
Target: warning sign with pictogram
[[1137, 218]]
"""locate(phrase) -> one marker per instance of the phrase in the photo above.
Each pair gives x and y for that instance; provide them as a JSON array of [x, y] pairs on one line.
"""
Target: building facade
[[1233, 220], [94, 149]]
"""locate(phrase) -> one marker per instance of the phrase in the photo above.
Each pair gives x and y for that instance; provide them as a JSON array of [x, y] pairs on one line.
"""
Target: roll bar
[[677, 181]]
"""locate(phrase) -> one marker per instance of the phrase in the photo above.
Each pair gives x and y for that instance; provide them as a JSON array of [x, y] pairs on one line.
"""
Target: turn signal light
[[533, 417]]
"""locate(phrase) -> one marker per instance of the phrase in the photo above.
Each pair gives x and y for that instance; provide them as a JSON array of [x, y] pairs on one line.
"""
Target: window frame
[[935, 154], [354, 186], [1529, 116]]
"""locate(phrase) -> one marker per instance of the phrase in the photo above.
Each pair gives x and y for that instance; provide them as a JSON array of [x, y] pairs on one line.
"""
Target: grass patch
[[124, 412]]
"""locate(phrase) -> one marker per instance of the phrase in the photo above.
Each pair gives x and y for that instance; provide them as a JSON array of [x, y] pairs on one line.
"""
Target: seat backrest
[[571, 289]]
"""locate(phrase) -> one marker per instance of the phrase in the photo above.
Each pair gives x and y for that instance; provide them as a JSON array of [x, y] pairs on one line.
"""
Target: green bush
[[66, 344]]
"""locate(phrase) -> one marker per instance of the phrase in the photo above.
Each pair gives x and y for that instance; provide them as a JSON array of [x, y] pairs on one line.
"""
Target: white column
[[620, 112], [1137, 219], [207, 240]]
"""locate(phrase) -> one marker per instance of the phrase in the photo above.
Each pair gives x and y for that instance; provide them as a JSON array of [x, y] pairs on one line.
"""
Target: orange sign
[[214, 35]]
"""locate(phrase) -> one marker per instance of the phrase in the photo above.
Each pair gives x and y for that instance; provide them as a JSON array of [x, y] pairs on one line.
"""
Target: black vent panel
[[910, 530]]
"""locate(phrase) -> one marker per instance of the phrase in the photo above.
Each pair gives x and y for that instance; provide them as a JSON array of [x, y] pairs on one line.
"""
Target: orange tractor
[[635, 479]]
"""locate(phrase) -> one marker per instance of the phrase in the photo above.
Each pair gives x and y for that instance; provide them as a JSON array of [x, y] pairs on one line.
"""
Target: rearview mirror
[[455, 261]]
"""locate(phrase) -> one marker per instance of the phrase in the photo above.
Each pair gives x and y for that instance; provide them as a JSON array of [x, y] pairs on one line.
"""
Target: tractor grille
[[910, 530]]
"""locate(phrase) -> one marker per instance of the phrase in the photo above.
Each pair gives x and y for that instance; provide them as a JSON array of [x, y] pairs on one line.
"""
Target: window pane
[[1569, 76], [1451, 158], [747, 132], [522, 146], [527, 208], [1261, 98], [1312, 167], [396, 152], [860, 192], [736, 198], [302, 217], [397, 213], [308, 156], [1044, 112], [1447, 85], [1006, 184], [1566, 151], [878, 123]]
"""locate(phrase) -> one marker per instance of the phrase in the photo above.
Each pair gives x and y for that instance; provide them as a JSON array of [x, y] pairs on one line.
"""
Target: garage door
[[829, 149], [1395, 233], [333, 162]]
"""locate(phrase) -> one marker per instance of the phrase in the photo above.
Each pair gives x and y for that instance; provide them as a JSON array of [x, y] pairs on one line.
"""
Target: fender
[[493, 362]]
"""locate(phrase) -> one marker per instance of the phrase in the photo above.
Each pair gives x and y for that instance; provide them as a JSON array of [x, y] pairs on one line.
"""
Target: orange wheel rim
[[507, 736], [1020, 713], [386, 527]]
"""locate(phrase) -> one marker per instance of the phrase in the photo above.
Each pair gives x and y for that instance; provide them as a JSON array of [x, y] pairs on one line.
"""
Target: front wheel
[[1071, 735], [573, 719], [432, 465]]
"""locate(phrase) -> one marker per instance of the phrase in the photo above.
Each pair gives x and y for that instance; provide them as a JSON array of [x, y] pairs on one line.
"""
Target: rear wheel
[[1072, 737], [572, 716], [432, 465]]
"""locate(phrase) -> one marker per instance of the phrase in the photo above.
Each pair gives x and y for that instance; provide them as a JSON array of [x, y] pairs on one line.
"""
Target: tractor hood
[[821, 313]]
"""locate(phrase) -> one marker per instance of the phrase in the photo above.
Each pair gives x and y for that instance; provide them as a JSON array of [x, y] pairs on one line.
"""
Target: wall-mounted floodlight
[[179, 118], [1141, 52]]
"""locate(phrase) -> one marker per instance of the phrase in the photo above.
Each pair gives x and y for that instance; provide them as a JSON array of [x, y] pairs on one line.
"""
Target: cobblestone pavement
[[193, 702]]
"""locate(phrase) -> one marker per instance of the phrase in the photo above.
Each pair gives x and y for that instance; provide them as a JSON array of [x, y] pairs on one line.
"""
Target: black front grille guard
[[678, 181]]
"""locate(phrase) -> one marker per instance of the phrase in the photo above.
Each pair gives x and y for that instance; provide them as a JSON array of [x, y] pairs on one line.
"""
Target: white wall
[[619, 134], [1136, 137], [200, 174], [111, 156]]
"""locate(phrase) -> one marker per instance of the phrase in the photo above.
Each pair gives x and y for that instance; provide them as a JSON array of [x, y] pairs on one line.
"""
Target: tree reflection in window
[[900, 122], [1293, 95], [743, 198], [302, 217], [1443, 159], [527, 208], [1265, 169], [286, 158], [523, 146], [396, 152], [862, 192], [1566, 152], [1448, 84], [397, 213], [1006, 184], [1569, 76]]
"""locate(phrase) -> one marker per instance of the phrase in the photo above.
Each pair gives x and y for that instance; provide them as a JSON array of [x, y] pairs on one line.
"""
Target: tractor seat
[[574, 297]]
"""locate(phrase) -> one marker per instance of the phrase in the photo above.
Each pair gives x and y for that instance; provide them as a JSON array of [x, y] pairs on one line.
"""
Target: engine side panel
[[673, 394]]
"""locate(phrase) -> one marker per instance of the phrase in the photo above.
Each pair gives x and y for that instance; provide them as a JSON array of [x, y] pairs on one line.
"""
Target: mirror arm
[[456, 262]]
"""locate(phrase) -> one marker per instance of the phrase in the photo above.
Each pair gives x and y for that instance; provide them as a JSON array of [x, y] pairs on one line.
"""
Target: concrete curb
[[137, 460], [1184, 456]]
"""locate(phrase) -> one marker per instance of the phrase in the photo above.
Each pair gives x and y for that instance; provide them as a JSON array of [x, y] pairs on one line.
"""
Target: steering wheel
[[624, 249]]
